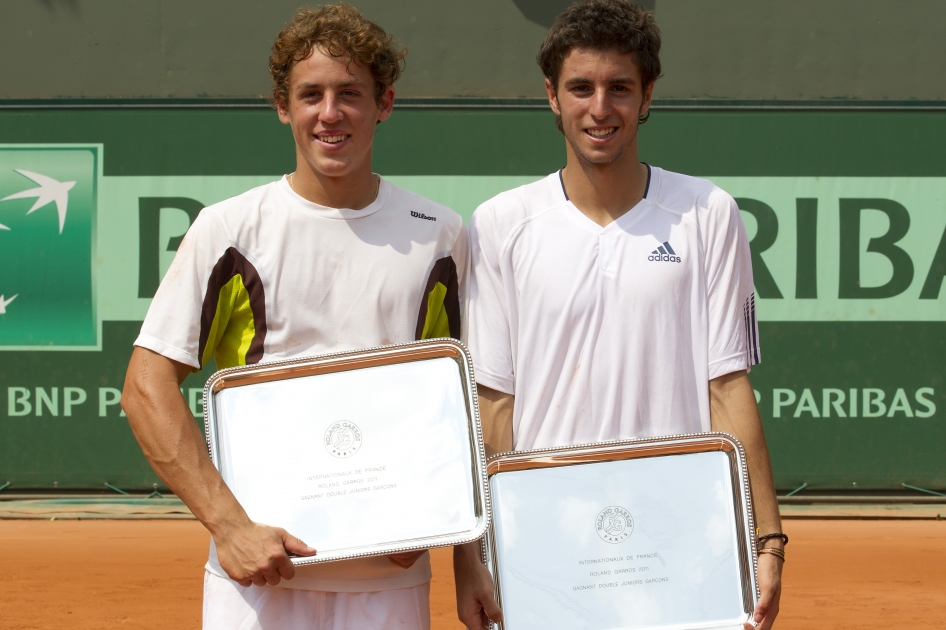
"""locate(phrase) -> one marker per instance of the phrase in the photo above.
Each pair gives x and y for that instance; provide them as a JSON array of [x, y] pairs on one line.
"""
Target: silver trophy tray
[[652, 533], [359, 454]]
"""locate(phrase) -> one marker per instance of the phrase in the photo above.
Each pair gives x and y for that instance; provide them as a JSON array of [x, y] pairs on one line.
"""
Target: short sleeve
[[489, 327], [733, 329], [443, 307], [172, 326], [461, 257]]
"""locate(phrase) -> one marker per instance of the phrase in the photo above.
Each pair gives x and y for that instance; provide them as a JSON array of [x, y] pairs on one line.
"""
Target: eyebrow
[[578, 80], [355, 83]]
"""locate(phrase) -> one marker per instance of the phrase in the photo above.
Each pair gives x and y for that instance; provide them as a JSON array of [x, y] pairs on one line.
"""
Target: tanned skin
[[600, 97], [333, 112]]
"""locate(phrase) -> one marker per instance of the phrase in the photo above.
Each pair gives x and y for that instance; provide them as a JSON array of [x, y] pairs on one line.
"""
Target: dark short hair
[[603, 25], [339, 30]]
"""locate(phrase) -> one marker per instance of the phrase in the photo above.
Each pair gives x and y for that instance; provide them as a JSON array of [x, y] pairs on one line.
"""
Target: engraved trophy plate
[[653, 533], [358, 454]]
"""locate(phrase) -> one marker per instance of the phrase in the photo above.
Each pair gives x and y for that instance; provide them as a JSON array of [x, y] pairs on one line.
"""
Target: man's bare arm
[[165, 428], [475, 598], [733, 410], [496, 418]]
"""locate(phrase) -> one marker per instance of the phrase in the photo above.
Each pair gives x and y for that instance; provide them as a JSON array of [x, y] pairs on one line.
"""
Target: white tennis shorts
[[229, 606]]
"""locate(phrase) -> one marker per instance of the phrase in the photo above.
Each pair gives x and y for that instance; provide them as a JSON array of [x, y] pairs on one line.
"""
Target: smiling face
[[599, 98], [333, 114]]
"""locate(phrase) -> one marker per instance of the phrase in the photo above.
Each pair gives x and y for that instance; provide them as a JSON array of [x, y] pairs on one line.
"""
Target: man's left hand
[[770, 586], [407, 559]]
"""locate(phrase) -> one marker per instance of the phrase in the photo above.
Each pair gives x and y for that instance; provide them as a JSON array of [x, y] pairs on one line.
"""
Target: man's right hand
[[259, 554], [164, 426], [476, 604]]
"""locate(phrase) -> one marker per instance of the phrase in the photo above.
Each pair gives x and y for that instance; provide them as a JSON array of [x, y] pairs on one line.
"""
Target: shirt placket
[[607, 261]]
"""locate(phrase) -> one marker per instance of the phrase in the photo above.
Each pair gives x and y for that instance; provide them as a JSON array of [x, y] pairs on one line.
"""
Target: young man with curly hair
[[329, 258], [612, 299]]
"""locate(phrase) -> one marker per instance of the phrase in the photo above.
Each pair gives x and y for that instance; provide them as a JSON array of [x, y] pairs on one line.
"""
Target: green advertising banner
[[849, 272]]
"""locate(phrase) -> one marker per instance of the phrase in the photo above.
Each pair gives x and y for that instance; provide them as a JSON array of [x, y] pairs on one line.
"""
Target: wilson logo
[[664, 253], [421, 215]]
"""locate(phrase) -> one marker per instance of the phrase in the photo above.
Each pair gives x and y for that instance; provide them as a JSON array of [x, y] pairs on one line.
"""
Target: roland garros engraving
[[343, 439], [614, 524]]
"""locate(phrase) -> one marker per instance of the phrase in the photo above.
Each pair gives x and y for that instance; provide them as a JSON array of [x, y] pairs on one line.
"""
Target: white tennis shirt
[[269, 275], [614, 332]]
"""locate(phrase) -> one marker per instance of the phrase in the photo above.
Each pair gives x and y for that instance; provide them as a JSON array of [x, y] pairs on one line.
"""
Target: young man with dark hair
[[612, 299], [329, 258]]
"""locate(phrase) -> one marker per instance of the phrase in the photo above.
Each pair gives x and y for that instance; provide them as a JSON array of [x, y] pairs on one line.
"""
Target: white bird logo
[[4, 303], [49, 191]]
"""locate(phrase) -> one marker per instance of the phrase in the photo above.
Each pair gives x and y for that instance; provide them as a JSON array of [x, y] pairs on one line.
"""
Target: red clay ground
[[869, 575]]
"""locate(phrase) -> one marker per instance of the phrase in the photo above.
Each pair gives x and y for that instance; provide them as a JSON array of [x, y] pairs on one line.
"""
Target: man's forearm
[[476, 603], [172, 442], [734, 410]]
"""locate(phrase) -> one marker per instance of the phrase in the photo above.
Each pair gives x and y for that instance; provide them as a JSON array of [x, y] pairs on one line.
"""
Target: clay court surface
[[147, 574]]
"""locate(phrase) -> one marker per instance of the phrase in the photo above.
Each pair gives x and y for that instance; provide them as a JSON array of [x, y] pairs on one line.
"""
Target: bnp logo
[[47, 222]]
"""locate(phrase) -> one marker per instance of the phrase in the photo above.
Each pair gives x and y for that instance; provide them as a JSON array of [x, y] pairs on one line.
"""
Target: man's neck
[[355, 190], [604, 192]]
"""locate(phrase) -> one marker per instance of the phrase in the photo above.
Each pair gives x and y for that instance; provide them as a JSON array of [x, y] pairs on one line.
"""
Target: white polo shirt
[[614, 332]]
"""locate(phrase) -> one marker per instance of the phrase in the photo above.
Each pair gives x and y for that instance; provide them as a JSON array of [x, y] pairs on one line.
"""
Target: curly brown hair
[[603, 25], [339, 30]]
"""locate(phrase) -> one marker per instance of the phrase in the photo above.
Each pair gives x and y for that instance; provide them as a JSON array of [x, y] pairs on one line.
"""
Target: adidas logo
[[421, 215], [664, 253]]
